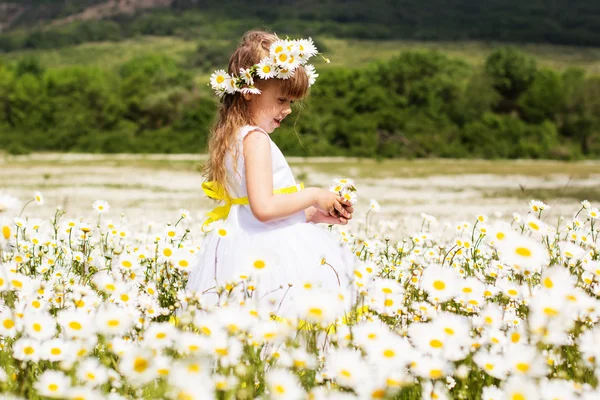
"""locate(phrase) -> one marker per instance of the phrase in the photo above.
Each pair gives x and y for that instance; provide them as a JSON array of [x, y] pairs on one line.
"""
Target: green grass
[[342, 52], [357, 52], [108, 54]]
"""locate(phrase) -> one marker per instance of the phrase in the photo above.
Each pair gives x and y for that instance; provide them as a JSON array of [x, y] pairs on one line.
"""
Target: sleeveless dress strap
[[251, 128]]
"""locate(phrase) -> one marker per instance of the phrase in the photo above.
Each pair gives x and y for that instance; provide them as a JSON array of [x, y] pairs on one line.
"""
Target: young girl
[[265, 234]]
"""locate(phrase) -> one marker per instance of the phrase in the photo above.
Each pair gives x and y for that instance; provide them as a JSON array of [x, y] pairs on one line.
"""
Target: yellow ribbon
[[216, 191]]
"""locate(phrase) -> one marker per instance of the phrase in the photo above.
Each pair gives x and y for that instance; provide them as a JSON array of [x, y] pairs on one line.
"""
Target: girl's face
[[269, 108]]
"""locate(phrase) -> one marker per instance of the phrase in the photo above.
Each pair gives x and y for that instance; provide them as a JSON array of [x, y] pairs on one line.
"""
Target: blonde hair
[[233, 112]]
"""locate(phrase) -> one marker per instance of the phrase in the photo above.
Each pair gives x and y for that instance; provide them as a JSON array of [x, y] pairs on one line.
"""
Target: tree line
[[417, 104], [558, 22]]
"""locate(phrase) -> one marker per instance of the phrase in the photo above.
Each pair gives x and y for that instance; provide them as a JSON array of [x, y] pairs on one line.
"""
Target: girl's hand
[[315, 216], [332, 205]]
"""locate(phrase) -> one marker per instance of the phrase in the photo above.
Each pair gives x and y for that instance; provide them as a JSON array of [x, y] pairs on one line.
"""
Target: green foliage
[[512, 71], [507, 21], [417, 104]]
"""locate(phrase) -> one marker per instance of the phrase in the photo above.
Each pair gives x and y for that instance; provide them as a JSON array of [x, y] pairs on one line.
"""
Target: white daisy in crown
[[265, 69], [218, 78], [285, 73], [246, 75]]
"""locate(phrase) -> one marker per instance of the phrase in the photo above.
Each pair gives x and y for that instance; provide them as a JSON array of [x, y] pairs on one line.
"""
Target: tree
[[544, 97], [512, 71]]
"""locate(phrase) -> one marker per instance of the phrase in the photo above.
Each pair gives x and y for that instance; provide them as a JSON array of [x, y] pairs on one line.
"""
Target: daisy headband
[[283, 59]]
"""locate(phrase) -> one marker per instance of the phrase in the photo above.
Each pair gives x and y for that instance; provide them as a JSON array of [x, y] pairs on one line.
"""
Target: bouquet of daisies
[[345, 188]]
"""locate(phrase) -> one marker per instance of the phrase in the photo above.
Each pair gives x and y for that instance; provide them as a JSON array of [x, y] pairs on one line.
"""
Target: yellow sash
[[216, 191]]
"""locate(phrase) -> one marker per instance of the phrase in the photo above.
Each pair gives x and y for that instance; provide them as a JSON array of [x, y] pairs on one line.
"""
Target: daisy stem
[[26, 204]]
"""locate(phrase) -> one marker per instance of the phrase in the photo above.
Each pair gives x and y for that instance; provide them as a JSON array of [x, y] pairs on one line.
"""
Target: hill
[[51, 24]]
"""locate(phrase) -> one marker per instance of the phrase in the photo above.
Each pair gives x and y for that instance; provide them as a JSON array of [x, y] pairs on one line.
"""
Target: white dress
[[290, 253]]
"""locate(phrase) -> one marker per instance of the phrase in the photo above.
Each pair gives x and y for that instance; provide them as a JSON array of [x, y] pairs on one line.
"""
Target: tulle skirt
[[277, 266]]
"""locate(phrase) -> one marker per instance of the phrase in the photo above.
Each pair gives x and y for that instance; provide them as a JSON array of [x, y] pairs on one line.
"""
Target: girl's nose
[[287, 110]]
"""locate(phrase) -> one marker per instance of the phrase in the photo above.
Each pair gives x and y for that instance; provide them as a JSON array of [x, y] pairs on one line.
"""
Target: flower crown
[[283, 59]]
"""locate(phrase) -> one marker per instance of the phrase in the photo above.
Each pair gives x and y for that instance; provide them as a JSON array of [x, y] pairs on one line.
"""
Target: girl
[[264, 235]]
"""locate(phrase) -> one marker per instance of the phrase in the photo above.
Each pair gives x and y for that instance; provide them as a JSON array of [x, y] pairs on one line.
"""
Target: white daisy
[[230, 85], [137, 366], [218, 79], [39, 325], [101, 206], [266, 69], [91, 372], [283, 385], [311, 73], [348, 368], [246, 76], [39, 198], [524, 253], [53, 384], [306, 48], [250, 90], [278, 47], [285, 73], [440, 283]]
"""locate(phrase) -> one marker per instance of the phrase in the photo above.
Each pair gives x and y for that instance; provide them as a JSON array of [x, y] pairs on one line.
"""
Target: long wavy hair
[[233, 111]]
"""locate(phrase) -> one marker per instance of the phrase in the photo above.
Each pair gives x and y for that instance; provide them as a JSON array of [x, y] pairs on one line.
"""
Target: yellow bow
[[216, 191]]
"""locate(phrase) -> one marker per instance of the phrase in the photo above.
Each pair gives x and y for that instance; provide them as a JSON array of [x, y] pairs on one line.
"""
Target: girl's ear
[[247, 96]]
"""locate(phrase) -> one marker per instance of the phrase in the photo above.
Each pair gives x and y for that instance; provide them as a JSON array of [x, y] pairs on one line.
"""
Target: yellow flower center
[[436, 344], [317, 312], [523, 367], [76, 326], [435, 373], [6, 232], [279, 389], [140, 365], [523, 252], [439, 285]]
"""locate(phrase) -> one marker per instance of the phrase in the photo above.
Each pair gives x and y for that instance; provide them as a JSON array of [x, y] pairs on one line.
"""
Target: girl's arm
[[259, 182]]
